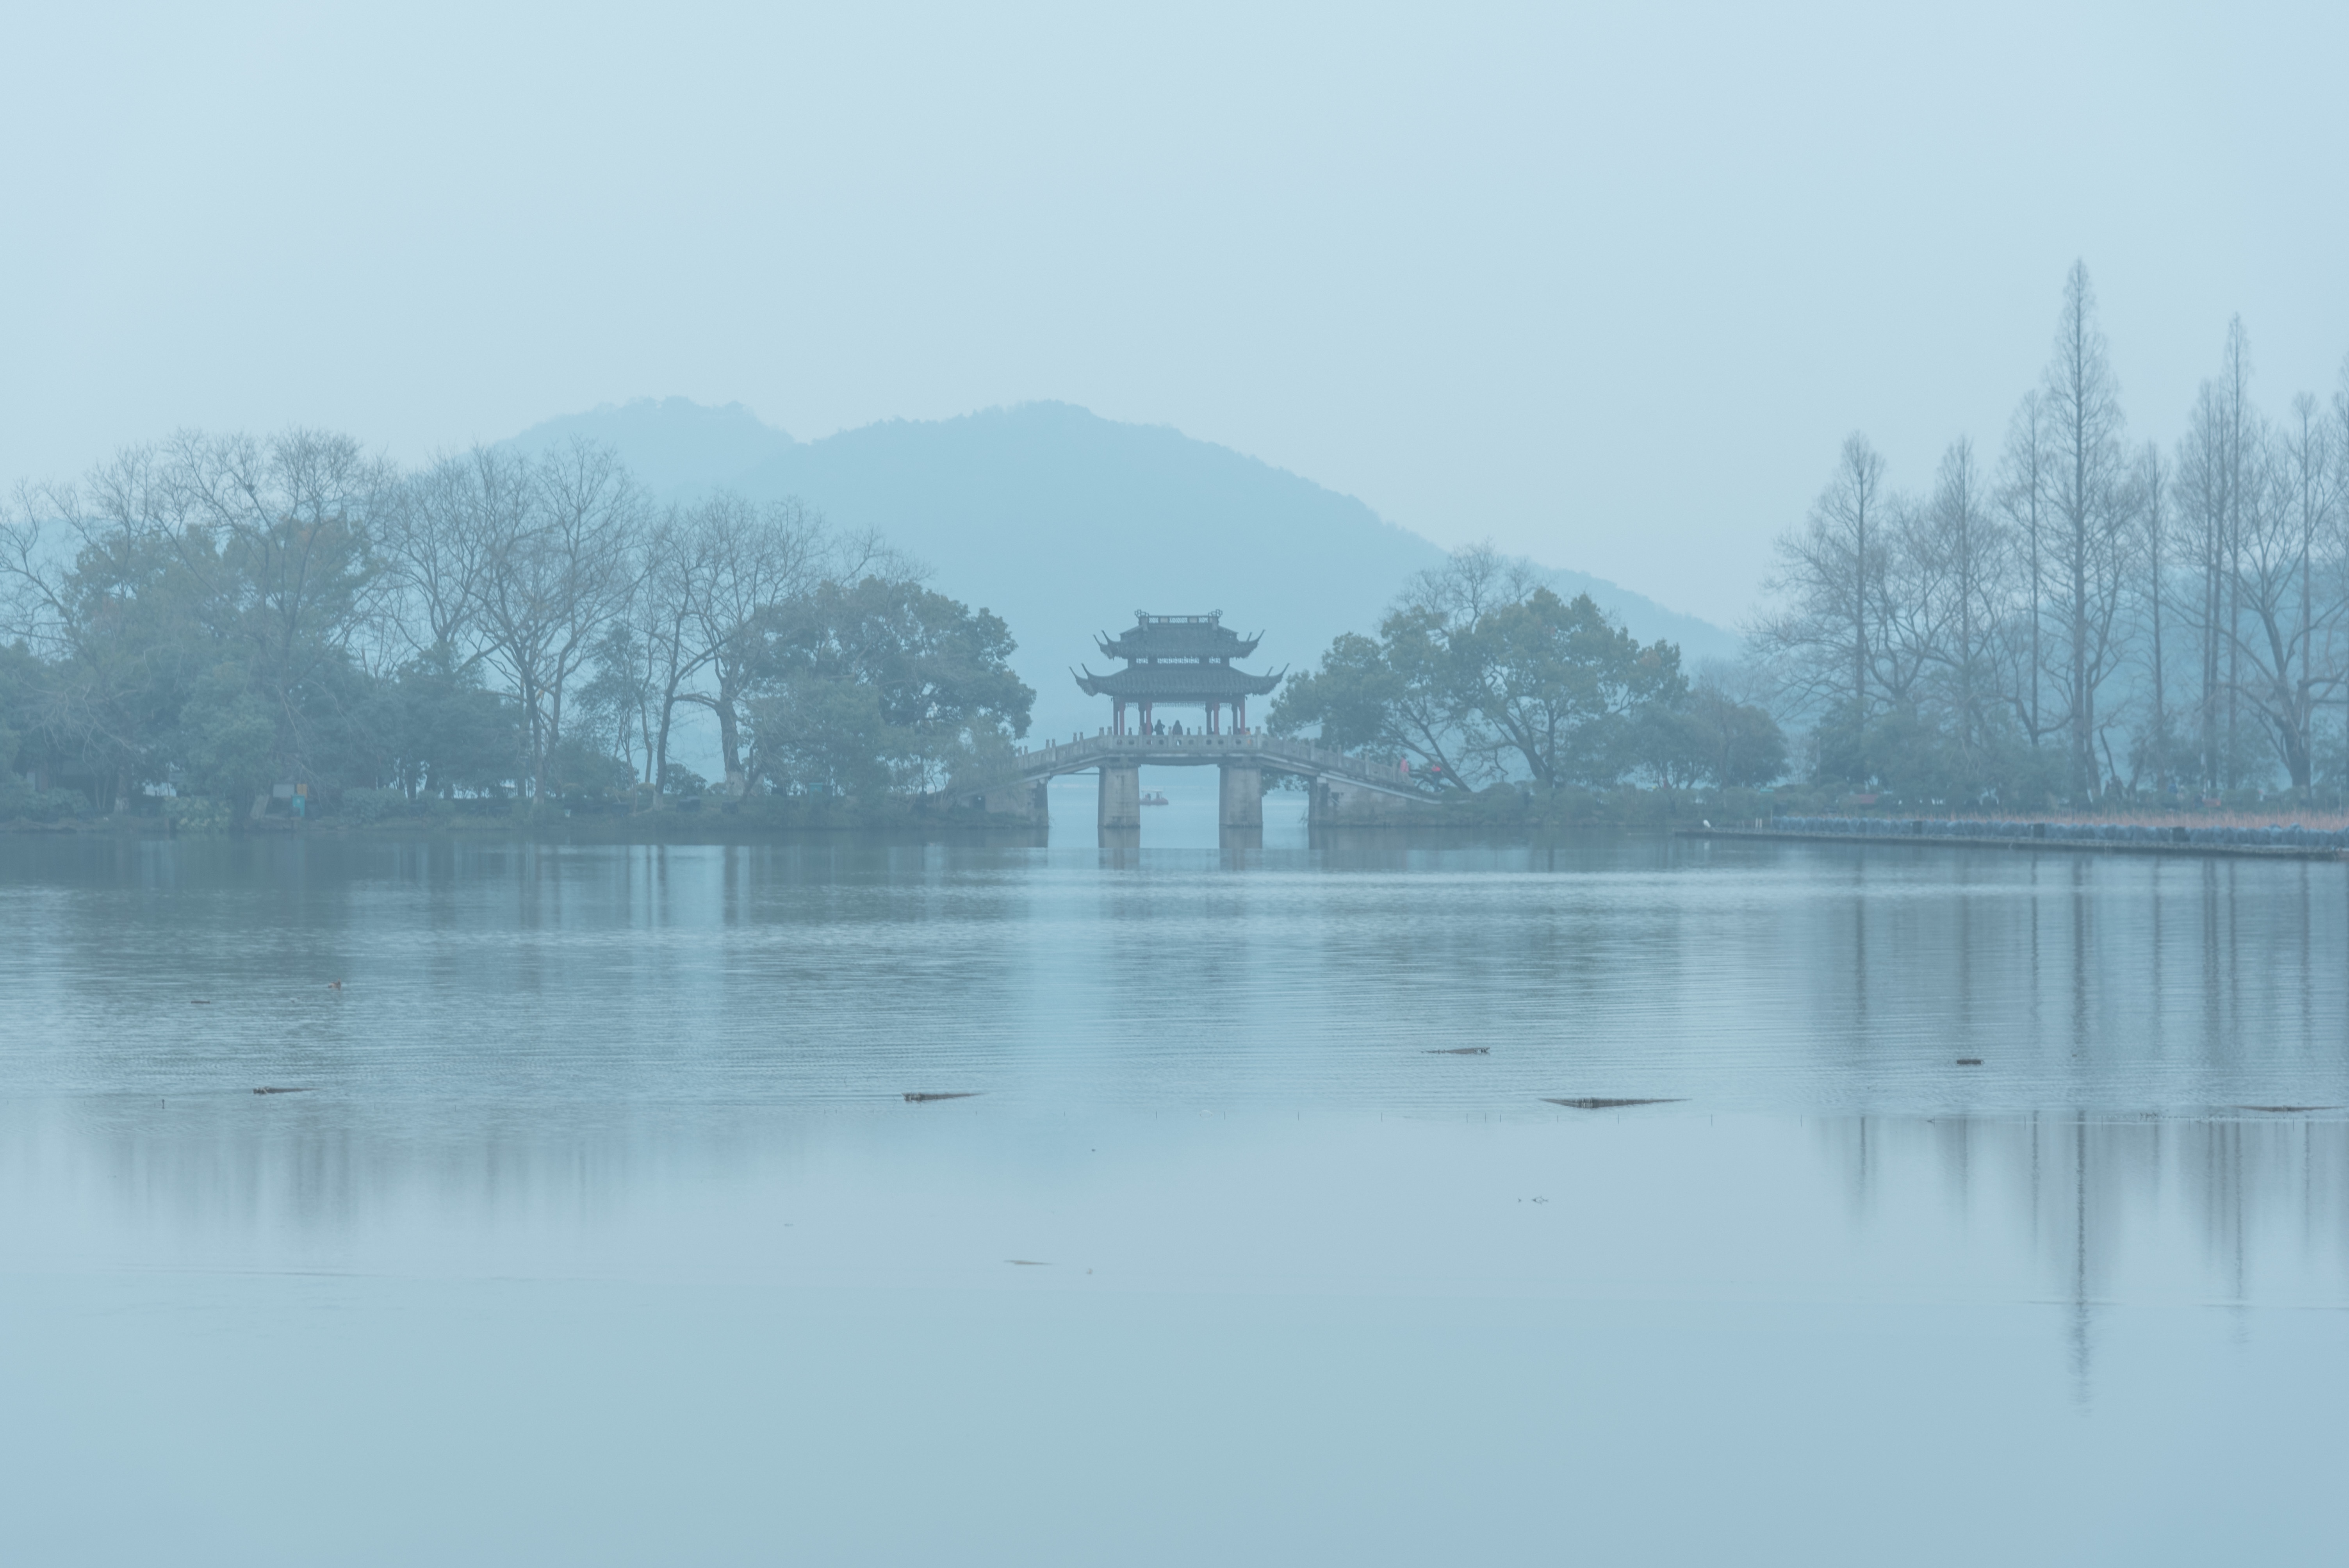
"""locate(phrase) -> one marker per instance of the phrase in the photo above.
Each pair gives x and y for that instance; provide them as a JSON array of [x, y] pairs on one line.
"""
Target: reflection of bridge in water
[[1343, 790]]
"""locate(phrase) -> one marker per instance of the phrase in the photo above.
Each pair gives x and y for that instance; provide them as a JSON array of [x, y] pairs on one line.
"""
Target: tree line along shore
[[2084, 621], [225, 631]]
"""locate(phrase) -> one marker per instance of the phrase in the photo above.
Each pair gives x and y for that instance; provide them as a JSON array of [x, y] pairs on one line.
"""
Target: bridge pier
[[1242, 802], [1121, 796], [1346, 791]]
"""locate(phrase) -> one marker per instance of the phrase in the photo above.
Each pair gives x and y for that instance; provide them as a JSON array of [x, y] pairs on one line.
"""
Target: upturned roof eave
[[1176, 682]]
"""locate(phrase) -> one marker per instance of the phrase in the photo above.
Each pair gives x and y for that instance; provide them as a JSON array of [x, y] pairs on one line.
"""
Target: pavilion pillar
[[1121, 797], [1242, 803], [1117, 720]]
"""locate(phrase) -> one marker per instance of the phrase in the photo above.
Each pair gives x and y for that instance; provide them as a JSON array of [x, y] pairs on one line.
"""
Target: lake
[[602, 1229]]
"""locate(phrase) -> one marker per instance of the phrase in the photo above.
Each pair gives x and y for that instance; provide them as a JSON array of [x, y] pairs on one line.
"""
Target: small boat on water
[[1153, 798]]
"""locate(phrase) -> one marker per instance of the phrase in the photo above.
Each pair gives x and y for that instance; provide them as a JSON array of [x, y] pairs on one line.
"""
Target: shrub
[[367, 807], [41, 805]]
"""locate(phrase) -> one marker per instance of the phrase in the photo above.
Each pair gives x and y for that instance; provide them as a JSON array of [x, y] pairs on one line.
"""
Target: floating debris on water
[[2286, 1110], [1592, 1102], [200, 1001], [305, 1088], [919, 1095], [1969, 1061], [1462, 1051], [1030, 1264]]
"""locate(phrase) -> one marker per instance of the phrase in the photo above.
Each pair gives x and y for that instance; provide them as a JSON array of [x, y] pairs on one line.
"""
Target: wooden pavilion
[[1183, 661]]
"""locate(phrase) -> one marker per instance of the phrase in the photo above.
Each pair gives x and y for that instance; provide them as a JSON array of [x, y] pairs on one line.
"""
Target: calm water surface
[[602, 1232]]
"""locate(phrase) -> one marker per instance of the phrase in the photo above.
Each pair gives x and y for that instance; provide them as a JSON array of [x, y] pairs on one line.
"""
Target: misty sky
[[1608, 286]]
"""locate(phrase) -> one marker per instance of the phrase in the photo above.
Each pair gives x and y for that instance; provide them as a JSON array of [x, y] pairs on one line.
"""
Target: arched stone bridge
[[1344, 789]]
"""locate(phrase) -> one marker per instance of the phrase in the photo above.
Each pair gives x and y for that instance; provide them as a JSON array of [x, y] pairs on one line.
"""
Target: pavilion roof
[[1178, 638], [1180, 682]]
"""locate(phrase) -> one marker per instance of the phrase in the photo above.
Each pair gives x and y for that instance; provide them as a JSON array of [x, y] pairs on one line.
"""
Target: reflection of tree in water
[[2244, 1207]]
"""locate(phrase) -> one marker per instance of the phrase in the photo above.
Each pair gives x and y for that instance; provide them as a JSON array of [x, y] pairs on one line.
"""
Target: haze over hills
[[675, 445], [1065, 524]]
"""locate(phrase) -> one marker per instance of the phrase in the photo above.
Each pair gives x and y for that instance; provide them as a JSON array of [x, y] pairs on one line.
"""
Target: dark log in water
[[1592, 1102], [918, 1094]]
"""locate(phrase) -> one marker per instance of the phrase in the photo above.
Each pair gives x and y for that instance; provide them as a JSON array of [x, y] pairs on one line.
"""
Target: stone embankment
[[2273, 841]]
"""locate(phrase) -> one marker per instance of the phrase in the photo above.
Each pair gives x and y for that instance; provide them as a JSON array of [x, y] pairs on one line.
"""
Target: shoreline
[[2052, 842]]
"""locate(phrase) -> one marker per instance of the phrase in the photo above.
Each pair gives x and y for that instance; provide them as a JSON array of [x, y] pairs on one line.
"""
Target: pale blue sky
[[1607, 285]]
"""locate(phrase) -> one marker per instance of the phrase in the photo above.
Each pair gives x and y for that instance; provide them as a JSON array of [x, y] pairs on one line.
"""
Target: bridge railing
[[1304, 756]]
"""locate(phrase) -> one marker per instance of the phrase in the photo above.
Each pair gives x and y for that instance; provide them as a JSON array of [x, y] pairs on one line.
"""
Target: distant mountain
[[1065, 524]]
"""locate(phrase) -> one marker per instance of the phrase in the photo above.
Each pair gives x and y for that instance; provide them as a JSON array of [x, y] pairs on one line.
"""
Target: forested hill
[[1065, 524]]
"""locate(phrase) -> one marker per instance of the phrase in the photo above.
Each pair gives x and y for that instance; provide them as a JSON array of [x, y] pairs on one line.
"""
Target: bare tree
[[2218, 466], [2154, 487], [759, 556], [558, 570], [2200, 482], [1831, 570], [1972, 574], [666, 612], [1473, 581], [618, 701], [2093, 503], [2245, 437], [1913, 603], [2337, 655], [2283, 626], [436, 540], [88, 589], [275, 535], [2023, 494]]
